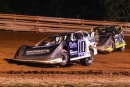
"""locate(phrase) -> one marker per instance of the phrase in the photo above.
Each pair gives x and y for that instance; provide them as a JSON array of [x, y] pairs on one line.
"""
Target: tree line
[[109, 10]]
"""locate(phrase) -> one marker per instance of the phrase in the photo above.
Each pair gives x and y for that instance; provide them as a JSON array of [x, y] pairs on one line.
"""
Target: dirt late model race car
[[109, 38], [61, 49]]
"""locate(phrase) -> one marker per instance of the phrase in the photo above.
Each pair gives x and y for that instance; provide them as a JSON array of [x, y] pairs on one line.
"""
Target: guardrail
[[52, 24]]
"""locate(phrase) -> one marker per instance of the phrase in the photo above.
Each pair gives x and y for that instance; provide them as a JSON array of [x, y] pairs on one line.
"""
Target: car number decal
[[81, 48]]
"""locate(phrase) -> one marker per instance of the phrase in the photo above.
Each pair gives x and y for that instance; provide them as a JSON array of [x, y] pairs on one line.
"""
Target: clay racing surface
[[107, 68]]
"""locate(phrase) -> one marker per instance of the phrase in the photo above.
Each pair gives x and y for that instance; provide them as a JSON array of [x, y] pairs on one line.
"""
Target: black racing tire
[[65, 58], [87, 61], [122, 48], [113, 47]]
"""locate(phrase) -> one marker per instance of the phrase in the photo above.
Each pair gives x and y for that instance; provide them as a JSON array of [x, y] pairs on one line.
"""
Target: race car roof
[[110, 29], [104, 28], [57, 35]]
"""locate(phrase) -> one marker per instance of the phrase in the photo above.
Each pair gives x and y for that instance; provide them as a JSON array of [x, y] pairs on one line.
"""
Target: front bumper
[[54, 61], [103, 49]]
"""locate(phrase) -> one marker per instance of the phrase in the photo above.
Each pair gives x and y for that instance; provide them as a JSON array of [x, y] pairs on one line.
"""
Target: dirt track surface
[[108, 68]]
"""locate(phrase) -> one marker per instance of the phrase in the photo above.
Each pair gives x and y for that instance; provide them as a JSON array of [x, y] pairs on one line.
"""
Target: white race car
[[61, 48]]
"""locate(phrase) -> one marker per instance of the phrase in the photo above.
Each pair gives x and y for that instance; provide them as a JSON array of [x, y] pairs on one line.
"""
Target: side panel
[[77, 48], [73, 48]]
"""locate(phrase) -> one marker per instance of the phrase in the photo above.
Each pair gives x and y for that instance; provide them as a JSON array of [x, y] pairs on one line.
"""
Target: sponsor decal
[[120, 39], [73, 44], [73, 52], [34, 52], [91, 40]]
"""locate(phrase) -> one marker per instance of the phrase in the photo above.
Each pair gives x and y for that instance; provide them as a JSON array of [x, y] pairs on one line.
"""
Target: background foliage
[[112, 10]]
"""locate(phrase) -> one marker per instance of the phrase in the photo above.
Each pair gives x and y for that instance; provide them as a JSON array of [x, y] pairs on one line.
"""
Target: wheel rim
[[64, 58], [90, 59]]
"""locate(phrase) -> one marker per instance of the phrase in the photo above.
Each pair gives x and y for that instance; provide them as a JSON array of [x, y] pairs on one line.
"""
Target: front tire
[[65, 58], [87, 61], [113, 47]]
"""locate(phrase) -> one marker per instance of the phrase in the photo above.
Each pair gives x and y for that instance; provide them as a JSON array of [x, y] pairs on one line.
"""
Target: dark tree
[[112, 10], [4, 7], [84, 9], [116, 10]]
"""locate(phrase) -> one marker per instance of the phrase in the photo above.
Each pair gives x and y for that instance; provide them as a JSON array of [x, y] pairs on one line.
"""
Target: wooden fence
[[52, 24]]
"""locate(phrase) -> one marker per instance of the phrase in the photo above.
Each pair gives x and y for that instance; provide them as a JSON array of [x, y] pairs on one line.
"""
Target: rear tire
[[87, 61], [65, 58]]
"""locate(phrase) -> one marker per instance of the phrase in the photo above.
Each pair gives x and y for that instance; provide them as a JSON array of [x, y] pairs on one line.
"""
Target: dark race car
[[109, 38], [60, 48]]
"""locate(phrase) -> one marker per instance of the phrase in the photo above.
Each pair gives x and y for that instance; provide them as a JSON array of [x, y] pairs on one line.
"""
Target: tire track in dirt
[[90, 72], [15, 39]]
